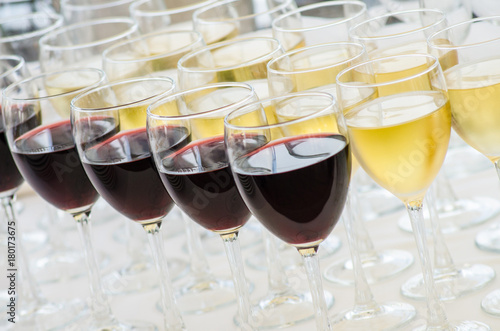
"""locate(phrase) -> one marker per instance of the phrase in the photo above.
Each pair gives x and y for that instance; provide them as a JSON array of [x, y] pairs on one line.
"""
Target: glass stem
[[363, 299], [436, 316], [233, 252], [277, 278], [443, 262], [29, 291], [171, 315], [99, 304], [198, 260], [497, 167], [311, 263]]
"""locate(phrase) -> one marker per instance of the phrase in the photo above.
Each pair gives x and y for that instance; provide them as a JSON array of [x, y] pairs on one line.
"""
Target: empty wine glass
[[36, 113], [153, 16], [75, 11], [228, 19], [472, 85], [109, 126], [81, 44], [185, 133], [294, 182], [400, 129], [20, 35], [318, 23]]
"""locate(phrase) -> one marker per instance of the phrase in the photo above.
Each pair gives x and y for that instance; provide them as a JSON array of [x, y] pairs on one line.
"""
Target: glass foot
[[387, 316], [141, 277], [289, 257], [491, 303], [63, 265], [46, 316], [462, 214], [283, 310], [279, 310], [199, 296], [489, 239], [383, 265], [89, 324], [456, 326], [450, 286]]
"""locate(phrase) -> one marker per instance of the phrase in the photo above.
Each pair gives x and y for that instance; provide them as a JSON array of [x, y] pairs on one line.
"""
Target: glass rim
[[76, 108], [152, 13], [399, 34], [468, 45], [305, 49], [110, 49], [287, 96], [433, 66], [132, 27], [57, 22], [102, 78], [80, 6], [175, 95], [363, 9], [224, 44], [219, 3], [20, 63]]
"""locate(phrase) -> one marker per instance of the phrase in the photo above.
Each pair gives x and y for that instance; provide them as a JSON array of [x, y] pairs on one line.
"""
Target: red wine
[[48, 160], [10, 177], [200, 181], [124, 173], [297, 187]]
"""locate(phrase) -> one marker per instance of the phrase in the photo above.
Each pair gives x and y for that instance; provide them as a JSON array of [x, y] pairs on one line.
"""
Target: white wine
[[474, 91], [401, 140]]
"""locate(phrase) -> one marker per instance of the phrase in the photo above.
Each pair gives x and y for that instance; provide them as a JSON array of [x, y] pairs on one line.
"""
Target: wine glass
[[228, 19], [81, 44], [30, 309], [318, 23], [400, 129], [75, 11], [109, 126], [455, 11], [409, 35], [471, 86], [185, 133], [21, 34], [36, 113], [154, 54], [245, 60], [153, 16], [293, 174], [315, 68]]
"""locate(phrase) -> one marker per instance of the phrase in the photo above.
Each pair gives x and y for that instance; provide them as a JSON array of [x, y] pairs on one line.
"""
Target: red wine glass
[[186, 135], [294, 174], [36, 113], [109, 126]]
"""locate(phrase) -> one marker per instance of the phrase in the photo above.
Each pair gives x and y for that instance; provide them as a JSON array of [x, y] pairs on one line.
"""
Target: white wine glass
[[153, 16], [472, 83], [400, 130], [318, 23], [151, 54], [80, 45], [228, 19], [76, 11]]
